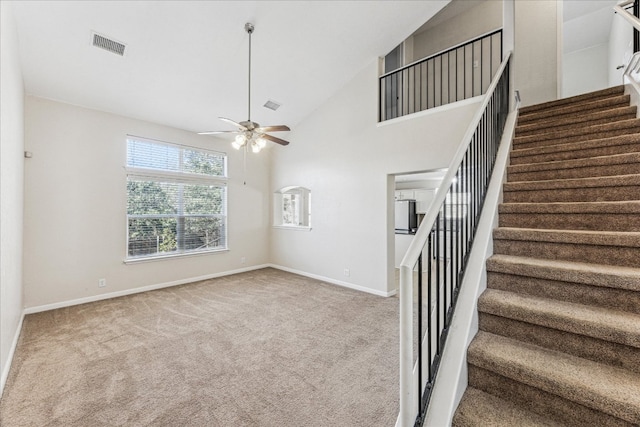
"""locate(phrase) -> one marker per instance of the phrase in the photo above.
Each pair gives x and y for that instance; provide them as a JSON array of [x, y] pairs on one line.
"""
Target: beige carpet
[[264, 348]]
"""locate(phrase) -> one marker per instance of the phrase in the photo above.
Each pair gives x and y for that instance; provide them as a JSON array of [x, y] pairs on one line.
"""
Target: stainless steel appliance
[[406, 217]]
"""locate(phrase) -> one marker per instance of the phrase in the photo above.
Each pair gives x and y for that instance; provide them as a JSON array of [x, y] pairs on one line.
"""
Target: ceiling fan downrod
[[248, 27]]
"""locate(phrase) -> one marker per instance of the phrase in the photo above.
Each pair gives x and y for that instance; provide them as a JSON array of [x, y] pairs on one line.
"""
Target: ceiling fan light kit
[[251, 134]]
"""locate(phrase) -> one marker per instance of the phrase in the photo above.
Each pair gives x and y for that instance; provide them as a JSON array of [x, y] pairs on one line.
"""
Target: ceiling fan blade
[[232, 122], [274, 139], [278, 128], [215, 132]]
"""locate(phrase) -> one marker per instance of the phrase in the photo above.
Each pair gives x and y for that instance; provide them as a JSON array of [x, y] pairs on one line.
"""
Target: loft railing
[[437, 257], [630, 10], [458, 73]]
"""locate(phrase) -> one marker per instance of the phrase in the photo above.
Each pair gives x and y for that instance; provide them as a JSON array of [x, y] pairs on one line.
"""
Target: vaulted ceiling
[[186, 62]]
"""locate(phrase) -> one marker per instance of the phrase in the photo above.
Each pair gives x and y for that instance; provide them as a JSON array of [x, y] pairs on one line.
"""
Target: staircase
[[559, 338]]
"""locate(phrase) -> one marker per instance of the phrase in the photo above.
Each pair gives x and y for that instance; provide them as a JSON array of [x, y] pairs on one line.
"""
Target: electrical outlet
[[347, 272], [475, 64], [102, 283], [243, 260]]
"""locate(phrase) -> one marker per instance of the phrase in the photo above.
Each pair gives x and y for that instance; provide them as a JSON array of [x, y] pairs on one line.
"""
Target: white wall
[[473, 22], [11, 189], [585, 70], [75, 206], [508, 25], [344, 158], [536, 50]]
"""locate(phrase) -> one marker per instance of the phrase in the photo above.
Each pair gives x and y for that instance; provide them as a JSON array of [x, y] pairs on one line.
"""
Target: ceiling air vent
[[272, 105], [107, 44]]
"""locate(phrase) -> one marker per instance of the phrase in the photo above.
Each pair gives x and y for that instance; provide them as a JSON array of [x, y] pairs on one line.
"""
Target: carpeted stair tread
[[577, 150], [587, 165], [597, 350], [591, 182], [605, 216], [600, 247], [604, 93], [584, 133], [596, 322], [480, 409], [573, 121], [598, 104], [577, 237], [617, 207], [601, 275], [611, 390], [597, 284], [541, 402]]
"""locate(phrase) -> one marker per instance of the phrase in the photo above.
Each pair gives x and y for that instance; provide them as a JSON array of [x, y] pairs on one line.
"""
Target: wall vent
[[272, 105], [107, 44]]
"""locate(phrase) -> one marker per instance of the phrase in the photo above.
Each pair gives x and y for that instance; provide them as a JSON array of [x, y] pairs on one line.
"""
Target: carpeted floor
[[264, 348]]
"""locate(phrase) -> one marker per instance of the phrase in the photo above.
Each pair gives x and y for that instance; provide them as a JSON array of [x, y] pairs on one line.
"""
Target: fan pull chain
[[244, 164]]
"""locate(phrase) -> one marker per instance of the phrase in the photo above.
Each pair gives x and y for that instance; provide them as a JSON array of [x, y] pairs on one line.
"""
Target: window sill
[[293, 227], [171, 256]]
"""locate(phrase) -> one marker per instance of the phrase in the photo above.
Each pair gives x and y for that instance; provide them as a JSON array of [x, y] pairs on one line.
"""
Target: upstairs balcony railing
[[437, 258], [458, 73]]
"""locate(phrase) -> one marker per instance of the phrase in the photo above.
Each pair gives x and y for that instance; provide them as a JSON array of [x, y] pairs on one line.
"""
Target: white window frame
[[303, 208], [167, 176]]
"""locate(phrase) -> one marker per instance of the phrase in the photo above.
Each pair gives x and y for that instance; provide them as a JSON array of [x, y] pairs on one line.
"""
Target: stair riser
[[532, 142], [571, 221], [580, 108], [599, 296], [540, 401], [610, 353], [537, 157], [578, 124], [582, 172], [593, 194], [596, 254]]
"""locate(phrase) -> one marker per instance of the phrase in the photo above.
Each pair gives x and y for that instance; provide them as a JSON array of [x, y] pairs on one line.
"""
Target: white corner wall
[[344, 157], [11, 189], [75, 208], [585, 70], [536, 50]]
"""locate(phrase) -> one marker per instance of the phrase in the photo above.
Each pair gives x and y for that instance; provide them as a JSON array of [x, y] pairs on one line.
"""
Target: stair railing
[[437, 257], [458, 73], [622, 9], [631, 72]]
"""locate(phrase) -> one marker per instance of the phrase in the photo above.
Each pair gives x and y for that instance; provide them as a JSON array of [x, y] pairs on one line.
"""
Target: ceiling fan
[[251, 133]]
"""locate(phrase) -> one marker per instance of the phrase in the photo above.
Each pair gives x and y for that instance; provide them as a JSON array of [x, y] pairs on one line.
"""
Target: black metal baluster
[[429, 302], [420, 334], [437, 283]]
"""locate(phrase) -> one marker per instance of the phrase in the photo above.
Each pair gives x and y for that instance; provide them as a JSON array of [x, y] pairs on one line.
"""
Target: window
[[176, 199], [292, 207]]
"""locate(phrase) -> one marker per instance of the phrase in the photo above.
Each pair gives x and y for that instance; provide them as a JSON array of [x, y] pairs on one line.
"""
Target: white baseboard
[[334, 281], [62, 304], [12, 350]]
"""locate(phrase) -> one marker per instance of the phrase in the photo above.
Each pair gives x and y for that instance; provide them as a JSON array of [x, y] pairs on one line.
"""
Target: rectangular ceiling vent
[[272, 105], [108, 44]]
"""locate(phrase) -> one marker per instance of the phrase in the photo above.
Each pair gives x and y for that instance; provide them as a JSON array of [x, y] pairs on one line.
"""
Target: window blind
[[176, 199]]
